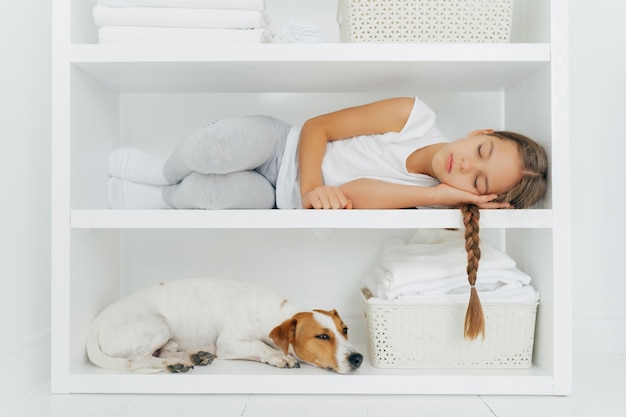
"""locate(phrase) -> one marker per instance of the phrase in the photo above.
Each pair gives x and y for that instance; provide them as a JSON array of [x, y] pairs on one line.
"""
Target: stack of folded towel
[[181, 21], [430, 268]]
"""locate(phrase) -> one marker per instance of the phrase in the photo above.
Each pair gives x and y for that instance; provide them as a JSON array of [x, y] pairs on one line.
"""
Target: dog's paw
[[178, 368], [291, 363], [202, 358], [283, 361]]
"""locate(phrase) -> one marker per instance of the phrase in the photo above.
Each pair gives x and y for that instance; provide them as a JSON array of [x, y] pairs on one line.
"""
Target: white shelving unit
[[105, 97]]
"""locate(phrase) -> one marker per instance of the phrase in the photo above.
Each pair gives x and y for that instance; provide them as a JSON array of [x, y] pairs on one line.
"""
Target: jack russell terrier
[[176, 325]]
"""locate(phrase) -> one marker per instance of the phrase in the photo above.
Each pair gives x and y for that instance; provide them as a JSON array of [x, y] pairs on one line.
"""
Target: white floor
[[599, 389]]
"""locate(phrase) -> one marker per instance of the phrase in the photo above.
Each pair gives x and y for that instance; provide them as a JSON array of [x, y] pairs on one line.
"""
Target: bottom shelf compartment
[[244, 377], [247, 377], [107, 264]]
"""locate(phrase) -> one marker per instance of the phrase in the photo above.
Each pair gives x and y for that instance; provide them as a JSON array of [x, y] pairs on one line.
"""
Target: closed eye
[[481, 150], [483, 153], [485, 185]]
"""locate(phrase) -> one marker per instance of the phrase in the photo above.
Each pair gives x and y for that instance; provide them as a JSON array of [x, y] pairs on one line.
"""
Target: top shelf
[[314, 52], [309, 67]]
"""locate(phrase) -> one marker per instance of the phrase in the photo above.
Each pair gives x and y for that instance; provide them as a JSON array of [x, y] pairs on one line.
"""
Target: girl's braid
[[474, 318]]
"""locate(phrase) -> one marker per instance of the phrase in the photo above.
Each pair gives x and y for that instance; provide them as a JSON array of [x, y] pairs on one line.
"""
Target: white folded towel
[[148, 35], [299, 32], [431, 269], [418, 262], [506, 294], [179, 17], [191, 4], [487, 280]]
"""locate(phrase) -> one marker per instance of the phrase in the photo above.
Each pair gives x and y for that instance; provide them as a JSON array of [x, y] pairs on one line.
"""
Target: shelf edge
[[302, 219], [326, 52]]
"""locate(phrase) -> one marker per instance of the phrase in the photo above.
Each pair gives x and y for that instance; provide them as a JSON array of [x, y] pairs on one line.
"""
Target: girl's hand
[[450, 196], [326, 197]]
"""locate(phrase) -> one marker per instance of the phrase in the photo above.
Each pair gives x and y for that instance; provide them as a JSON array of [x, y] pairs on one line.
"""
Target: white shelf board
[[309, 67], [236, 377], [304, 219], [308, 52]]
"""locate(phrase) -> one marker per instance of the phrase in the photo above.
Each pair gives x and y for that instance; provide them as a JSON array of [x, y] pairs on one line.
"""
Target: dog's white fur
[[178, 324]]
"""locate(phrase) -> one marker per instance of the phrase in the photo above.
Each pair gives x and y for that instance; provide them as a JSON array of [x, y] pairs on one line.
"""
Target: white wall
[[598, 148], [25, 197], [598, 117]]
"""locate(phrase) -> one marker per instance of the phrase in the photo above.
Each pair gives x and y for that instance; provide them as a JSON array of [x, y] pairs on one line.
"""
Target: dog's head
[[319, 338]]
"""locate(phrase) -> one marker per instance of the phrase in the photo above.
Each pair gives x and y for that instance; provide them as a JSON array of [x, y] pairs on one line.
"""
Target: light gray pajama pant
[[228, 164]]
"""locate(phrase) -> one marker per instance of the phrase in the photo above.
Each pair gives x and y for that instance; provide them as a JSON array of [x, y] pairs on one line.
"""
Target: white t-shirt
[[379, 156]]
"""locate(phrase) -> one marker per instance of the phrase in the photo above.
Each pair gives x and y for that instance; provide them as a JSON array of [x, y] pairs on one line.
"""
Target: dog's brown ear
[[283, 334]]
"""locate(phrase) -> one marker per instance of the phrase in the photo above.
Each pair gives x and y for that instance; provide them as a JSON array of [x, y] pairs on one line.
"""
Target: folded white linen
[[441, 256], [148, 35], [506, 294], [487, 280], [178, 17], [299, 32], [191, 4]]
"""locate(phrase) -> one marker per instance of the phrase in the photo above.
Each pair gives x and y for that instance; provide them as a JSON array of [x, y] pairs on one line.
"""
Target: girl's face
[[479, 163]]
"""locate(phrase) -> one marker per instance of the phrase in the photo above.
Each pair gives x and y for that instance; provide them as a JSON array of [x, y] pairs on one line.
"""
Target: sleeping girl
[[386, 154]]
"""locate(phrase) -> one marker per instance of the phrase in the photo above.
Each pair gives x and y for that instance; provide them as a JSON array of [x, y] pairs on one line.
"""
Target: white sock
[[137, 166], [130, 195]]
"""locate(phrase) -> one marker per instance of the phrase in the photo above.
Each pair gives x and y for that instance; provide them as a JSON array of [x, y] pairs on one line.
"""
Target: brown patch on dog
[[283, 334], [341, 326], [314, 342], [317, 343]]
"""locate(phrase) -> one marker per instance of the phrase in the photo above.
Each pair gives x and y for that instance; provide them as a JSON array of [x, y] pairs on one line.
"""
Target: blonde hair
[[534, 183], [526, 193], [474, 318]]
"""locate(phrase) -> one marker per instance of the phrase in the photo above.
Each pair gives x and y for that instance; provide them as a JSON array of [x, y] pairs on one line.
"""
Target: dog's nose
[[356, 359]]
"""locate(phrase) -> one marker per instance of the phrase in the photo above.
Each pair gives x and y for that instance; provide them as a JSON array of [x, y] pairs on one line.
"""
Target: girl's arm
[[379, 117], [367, 193]]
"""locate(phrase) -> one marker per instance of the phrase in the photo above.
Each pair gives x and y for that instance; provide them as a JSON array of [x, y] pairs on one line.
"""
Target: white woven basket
[[414, 21], [405, 335]]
